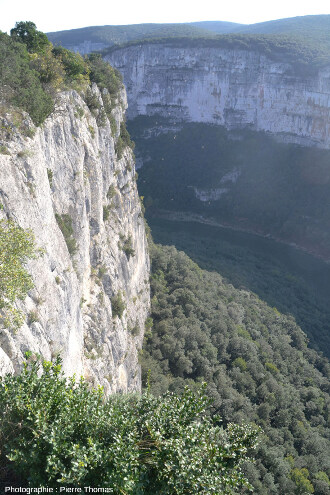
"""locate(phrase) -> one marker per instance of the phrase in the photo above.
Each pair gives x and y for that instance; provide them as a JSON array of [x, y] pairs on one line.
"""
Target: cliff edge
[[76, 190], [235, 88]]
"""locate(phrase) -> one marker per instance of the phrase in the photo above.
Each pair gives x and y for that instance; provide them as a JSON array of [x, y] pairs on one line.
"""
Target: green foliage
[[50, 177], [24, 153], [101, 118], [199, 333], [295, 282], [118, 305], [123, 141], [92, 100], [56, 432], [271, 367], [113, 124], [4, 150], [49, 70], [300, 478], [27, 33], [102, 270], [79, 112], [124, 134], [119, 147], [321, 475], [33, 317], [105, 76], [109, 81], [16, 248], [65, 224], [92, 131], [20, 84], [121, 34], [111, 192], [32, 71], [135, 331], [126, 245], [106, 212], [143, 209], [75, 67], [240, 363], [148, 326]]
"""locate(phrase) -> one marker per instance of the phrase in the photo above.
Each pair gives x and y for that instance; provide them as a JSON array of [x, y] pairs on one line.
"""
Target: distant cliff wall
[[230, 87], [69, 173]]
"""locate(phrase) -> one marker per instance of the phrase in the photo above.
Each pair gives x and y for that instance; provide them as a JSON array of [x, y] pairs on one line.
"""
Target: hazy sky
[[68, 14]]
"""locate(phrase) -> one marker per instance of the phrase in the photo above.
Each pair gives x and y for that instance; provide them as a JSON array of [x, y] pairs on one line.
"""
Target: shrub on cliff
[[108, 79], [75, 67], [105, 76], [118, 305], [65, 224], [16, 247], [56, 432]]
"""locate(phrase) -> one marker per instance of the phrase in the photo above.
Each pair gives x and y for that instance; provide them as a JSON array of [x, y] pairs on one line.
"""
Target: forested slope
[[110, 35], [256, 363]]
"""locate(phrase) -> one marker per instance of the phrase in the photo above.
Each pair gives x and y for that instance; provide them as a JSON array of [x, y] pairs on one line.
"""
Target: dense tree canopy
[[27, 33], [256, 363]]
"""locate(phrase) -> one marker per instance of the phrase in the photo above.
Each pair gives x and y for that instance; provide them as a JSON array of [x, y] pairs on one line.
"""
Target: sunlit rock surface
[[70, 168], [234, 88]]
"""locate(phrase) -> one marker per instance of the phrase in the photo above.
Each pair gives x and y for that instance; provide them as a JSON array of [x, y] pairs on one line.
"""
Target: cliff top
[[34, 71], [305, 55]]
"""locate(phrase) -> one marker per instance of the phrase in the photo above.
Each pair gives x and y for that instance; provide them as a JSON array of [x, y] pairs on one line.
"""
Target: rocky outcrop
[[91, 294], [86, 47], [230, 87]]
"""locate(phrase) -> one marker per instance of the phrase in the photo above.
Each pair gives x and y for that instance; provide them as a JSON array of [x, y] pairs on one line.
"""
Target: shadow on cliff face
[[250, 181], [243, 178]]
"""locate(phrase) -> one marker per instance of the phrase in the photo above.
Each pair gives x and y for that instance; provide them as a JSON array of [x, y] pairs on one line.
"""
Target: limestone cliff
[[70, 175], [230, 87]]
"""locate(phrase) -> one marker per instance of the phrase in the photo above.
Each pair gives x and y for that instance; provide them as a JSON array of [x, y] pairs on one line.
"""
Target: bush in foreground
[[56, 432]]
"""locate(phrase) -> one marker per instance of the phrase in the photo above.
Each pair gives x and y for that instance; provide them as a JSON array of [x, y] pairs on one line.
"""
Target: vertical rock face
[[230, 87], [89, 305]]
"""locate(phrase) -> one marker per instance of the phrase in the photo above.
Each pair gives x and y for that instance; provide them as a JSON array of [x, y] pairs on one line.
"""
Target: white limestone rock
[[230, 87], [70, 168]]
